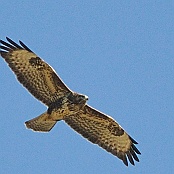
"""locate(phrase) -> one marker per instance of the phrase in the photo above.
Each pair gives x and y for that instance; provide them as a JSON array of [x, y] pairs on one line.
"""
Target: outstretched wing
[[36, 75], [104, 131]]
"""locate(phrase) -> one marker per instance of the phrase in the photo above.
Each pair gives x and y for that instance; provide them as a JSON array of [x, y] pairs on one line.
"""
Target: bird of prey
[[43, 83]]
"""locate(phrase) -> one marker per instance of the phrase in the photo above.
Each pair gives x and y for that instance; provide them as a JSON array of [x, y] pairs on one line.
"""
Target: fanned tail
[[42, 123]]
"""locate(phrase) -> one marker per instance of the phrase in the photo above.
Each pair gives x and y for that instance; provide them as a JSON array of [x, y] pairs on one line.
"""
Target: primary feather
[[63, 104]]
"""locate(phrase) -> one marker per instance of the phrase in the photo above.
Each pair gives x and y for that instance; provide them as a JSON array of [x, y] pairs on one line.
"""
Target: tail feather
[[41, 123]]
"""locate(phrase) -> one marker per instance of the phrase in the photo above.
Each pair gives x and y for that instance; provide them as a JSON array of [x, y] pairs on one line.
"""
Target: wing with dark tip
[[106, 132], [36, 75]]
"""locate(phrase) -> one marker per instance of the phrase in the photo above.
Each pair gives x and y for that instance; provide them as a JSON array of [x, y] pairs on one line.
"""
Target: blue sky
[[118, 53]]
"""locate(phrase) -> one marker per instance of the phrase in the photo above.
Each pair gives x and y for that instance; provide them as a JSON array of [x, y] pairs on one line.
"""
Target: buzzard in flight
[[63, 104]]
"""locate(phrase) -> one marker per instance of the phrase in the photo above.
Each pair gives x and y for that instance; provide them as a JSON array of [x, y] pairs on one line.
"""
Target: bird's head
[[76, 98]]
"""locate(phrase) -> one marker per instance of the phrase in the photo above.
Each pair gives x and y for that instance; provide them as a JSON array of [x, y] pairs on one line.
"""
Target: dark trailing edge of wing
[[130, 155], [12, 46]]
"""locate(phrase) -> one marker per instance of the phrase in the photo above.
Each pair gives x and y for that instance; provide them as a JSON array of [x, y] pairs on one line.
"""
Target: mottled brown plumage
[[63, 104]]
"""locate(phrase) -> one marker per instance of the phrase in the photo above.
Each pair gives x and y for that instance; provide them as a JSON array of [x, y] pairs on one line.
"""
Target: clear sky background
[[120, 54]]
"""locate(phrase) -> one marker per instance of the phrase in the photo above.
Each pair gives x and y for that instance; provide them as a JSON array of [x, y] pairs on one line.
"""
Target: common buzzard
[[63, 104]]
